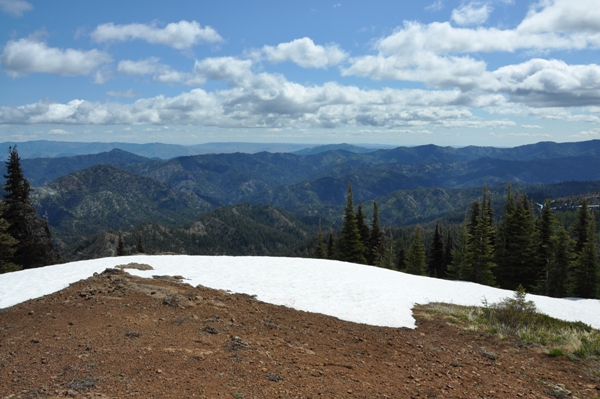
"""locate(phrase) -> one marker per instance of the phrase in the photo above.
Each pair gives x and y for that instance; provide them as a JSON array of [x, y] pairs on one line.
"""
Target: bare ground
[[117, 336]]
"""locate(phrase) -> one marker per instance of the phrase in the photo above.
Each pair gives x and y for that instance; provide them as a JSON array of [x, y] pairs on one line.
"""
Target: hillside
[[103, 197], [116, 335]]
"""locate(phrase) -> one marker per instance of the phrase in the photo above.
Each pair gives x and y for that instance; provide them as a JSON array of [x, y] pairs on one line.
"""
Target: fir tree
[[415, 259], [580, 227], [363, 229], [458, 252], [517, 252], [140, 246], [546, 227], [7, 249], [376, 239], [320, 250], [561, 262], [448, 255], [401, 259], [120, 245], [586, 274], [436, 267], [350, 246], [34, 247], [478, 257], [330, 247]]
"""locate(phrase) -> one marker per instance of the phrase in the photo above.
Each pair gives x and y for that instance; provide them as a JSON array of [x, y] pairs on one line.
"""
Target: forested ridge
[[420, 210]]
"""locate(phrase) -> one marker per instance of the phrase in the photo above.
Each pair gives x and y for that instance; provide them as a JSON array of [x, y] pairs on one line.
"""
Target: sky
[[351, 292], [447, 72]]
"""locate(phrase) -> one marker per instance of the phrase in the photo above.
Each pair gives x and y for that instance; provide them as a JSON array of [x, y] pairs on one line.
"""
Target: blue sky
[[497, 72]]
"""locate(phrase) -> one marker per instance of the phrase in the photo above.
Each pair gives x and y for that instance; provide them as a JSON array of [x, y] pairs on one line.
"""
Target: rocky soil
[[118, 336]]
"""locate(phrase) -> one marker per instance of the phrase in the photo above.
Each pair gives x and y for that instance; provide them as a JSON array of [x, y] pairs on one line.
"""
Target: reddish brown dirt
[[118, 336]]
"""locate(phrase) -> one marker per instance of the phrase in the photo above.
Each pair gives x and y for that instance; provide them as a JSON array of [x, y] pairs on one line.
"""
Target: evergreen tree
[[458, 252], [561, 262], [401, 259], [448, 255], [580, 227], [388, 256], [586, 274], [330, 247], [478, 258], [546, 228], [320, 250], [376, 239], [120, 246], [34, 247], [517, 251], [363, 229], [7, 249], [436, 266], [415, 259], [140, 246], [350, 246]]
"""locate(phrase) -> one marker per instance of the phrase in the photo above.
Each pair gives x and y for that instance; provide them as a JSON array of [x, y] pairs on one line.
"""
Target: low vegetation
[[519, 318]]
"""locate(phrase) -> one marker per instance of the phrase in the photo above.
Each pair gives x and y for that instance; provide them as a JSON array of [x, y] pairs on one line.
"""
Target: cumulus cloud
[[562, 16], [437, 5], [264, 100], [15, 8], [151, 66], [124, 94], [474, 13], [180, 35], [305, 53], [30, 55], [59, 132]]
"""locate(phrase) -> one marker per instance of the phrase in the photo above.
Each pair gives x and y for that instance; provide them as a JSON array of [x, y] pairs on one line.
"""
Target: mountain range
[[85, 195]]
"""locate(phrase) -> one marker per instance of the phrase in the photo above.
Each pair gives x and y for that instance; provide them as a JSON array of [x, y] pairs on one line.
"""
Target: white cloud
[[151, 66], [59, 132], [15, 7], [264, 100], [474, 13], [437, 5], [305, 53], [30, 55], [562, 16], [531, 126], [125, 94], [180, 35]]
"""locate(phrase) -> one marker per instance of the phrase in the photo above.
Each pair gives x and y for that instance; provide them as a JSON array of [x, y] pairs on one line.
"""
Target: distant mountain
[[56, 149], [332, 147], [258, 230], [103, 197], [40, 171]]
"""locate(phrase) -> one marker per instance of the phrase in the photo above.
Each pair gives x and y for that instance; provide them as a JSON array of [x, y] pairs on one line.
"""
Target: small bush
[[555, 352]]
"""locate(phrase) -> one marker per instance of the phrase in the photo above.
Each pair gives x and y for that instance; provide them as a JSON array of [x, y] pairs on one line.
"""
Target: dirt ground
[[118, 336]]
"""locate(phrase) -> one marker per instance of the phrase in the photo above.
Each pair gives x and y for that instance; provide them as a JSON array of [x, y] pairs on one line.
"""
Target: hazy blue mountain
[[104, 197], [344, 146], [40, 171]]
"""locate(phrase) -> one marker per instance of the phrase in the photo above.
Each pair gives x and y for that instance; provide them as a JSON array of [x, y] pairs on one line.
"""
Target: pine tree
[[415, 259], [517, 251], [363, 229], [375, 251], [580, 227], [350, 246], [435, 266], [561, 262], [7, 249], [478, 257], [320, 250], [330, 247], [448, 249], [140, 246], [546, 228], [586, 274], [401, 259], [458, 253], [120, 245], [34, 247]]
